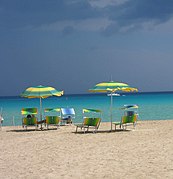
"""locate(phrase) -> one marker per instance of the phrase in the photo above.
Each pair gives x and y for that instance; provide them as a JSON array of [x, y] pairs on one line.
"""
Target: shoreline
[[145, 152]]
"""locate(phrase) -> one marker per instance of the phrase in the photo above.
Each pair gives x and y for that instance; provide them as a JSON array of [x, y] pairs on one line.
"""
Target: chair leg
[[124, 127], [134, 125], [95, 131], [120, 125], [115, 127], [76, 128]]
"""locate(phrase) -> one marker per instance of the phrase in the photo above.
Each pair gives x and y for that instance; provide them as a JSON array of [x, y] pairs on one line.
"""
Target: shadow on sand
[[102, 131], [31, 130]]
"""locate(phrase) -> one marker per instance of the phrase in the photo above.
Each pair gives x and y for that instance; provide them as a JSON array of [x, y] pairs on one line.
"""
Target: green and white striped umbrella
[[41, 92], [111, 87]]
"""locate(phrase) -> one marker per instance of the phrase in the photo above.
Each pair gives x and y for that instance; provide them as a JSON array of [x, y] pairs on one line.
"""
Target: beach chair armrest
[[82, 126], [117, 123], [78, 124]]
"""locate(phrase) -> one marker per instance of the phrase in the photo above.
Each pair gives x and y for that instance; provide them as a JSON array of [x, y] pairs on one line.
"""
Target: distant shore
[[145, 152]]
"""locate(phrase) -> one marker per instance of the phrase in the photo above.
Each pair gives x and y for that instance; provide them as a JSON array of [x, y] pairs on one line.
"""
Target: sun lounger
[[126, 120], [52, 117], [67, 115], [90, 122], [52, 120], [29, 119], [130, 117]]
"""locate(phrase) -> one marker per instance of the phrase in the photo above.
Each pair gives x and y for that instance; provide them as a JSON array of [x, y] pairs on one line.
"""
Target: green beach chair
[[129, 120], [130, 117], [52, 120], [29, 119], [52, 117], [90, 122]]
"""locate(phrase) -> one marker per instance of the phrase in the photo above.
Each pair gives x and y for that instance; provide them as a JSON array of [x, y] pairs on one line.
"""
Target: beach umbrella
[[41, 92], [111, 87], [130, 106]]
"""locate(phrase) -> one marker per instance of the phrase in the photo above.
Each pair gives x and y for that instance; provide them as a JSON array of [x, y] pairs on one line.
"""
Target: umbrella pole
[[41, 112], [111, 110]]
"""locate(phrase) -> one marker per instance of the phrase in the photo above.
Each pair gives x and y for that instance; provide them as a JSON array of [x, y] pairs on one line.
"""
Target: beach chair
[[52, 120], [90, 122], [67, 115], [31, 120], [130, 117], [52, 117], [1, 121]]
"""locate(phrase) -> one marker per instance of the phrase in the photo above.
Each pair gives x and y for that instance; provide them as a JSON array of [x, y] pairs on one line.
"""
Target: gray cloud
[[20, 13], [127, 16], [145, 10], [34, 52], [134, 13], [68, 30]]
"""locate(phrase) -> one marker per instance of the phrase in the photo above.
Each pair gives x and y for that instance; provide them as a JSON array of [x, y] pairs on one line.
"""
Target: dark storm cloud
[[38, 44], [17, 13], [132, 14], [145, 10], [127, 16]]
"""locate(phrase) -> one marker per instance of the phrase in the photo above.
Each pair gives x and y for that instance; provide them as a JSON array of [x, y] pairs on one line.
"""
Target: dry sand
[[146, 152]]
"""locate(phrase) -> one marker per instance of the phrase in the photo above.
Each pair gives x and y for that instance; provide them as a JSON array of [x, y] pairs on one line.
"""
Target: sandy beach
[[146, 152]]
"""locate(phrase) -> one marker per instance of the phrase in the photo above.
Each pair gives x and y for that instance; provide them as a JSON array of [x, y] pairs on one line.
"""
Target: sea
[[152, 106]]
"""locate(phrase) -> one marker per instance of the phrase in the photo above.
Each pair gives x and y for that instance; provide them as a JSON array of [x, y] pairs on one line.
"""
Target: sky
[[74, 44]]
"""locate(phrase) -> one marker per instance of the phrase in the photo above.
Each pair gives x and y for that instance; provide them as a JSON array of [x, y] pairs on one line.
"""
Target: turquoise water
[[152, 106]]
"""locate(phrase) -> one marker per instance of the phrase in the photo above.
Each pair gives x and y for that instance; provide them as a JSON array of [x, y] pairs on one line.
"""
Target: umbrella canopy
[[111, 87], [131, 106], [41, 92]]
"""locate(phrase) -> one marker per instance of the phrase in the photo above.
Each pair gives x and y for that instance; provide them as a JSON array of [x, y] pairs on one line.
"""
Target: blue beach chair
[[67, 115]]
